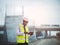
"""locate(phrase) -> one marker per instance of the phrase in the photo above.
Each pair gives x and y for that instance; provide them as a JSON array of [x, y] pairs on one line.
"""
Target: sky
[[37, 11]]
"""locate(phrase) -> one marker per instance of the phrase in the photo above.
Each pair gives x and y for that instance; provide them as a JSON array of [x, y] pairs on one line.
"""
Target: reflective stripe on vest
[[21, 38]]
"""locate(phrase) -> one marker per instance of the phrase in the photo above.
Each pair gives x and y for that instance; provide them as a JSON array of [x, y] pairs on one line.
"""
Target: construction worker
[[23, 33]]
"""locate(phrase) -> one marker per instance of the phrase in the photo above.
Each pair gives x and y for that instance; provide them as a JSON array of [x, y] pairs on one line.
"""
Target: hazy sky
[[38, 11], [43, 11]]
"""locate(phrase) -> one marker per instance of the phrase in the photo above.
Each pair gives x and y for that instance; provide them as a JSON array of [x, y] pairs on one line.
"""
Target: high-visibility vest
[[21, 38]]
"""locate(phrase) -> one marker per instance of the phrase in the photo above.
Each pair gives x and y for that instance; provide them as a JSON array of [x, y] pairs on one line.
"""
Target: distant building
[[50, 30]]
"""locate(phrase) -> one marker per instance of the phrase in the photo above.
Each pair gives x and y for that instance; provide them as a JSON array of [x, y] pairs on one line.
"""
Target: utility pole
[[6, 40]]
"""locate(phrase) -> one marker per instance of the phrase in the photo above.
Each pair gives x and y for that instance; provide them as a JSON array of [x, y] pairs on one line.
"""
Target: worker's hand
[[31, 33], [26, 32]]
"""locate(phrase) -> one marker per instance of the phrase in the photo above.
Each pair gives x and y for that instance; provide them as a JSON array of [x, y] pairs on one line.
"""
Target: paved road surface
[[46, 42]]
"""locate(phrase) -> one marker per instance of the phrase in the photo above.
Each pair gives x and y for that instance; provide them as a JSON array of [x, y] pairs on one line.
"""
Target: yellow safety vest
[[21, 38]]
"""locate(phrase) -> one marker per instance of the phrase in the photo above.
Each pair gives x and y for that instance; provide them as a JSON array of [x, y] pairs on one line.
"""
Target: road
[[46, 42]]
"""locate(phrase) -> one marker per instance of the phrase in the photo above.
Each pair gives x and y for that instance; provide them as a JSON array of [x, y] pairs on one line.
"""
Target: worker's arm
[[19, 32], [29, 33]]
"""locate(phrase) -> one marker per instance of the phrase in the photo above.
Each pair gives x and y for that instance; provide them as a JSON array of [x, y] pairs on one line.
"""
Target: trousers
[[22, 43]]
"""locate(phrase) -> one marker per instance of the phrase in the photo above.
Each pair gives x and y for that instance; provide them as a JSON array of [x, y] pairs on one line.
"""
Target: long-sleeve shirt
[[19, 32]]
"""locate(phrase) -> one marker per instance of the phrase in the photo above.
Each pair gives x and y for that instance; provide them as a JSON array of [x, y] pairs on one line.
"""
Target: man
[[22, 33]]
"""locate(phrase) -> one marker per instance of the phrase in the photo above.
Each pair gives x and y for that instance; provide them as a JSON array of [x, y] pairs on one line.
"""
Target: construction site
[[43, 22]]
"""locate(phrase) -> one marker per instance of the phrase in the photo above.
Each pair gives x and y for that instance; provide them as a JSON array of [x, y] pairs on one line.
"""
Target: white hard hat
[[25, 19]]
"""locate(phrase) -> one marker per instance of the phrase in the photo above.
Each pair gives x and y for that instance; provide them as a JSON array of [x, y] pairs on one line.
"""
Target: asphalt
[[46, 42], [40, 42]]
